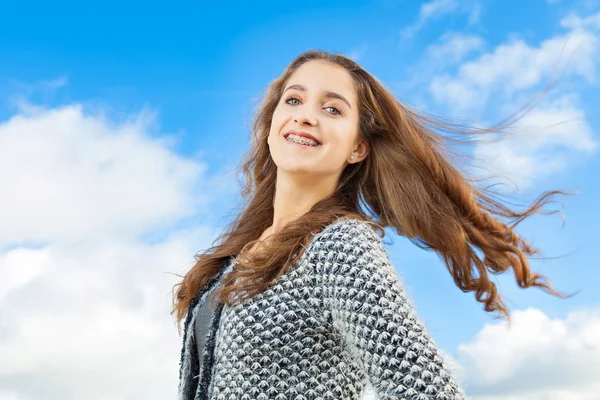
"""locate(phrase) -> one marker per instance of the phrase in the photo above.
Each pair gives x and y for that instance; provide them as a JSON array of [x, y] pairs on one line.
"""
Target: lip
[[303, 134]]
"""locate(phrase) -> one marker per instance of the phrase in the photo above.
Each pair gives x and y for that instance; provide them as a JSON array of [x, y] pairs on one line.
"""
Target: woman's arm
[[369, 308]]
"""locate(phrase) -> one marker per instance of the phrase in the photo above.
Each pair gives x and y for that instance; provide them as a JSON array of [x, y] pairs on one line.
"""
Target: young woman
[[299, 299]]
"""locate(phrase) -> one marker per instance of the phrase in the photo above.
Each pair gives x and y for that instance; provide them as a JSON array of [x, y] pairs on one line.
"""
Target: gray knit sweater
[[334, 323]]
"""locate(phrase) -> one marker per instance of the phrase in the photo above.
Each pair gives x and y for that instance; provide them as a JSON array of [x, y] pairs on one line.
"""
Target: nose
[[305, 118]]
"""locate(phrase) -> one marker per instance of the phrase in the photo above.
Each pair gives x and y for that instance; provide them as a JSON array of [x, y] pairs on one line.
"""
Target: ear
[[360, 152]]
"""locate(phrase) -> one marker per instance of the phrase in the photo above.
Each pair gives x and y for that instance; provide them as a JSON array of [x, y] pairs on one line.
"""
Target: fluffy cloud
[[514, 67], [574, 21], [538, 358], [85, 299], [94, 318], [70, 175], [552, 136], [547, 140]]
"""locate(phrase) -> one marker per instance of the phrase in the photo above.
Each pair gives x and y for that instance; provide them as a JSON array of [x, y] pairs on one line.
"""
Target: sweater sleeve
[[367, 304]]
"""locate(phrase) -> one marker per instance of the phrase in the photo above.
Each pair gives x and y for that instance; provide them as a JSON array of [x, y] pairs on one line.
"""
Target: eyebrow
[[328, 94]]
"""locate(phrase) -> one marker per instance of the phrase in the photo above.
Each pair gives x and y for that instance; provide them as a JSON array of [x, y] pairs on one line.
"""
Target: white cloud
[[449, 50], [452, 48], [547, 140], [538, 358], [19, 267], [57, 83], [70, 176], [574, 21], [437, 9], [514, 67], [44, 87], [94, 322], [85, 299], [474, 12], [555, 134]]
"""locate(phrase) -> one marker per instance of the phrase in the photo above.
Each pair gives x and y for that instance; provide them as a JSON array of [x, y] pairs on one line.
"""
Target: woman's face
[[318, 99]]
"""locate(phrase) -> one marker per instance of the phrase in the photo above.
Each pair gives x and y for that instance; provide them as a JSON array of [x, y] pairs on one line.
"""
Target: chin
[[298, 170]]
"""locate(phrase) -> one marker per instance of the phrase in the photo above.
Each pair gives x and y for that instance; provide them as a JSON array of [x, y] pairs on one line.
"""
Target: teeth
[[301, 140]]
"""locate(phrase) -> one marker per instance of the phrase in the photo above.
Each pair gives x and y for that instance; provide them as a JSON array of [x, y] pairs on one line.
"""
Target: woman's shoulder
[[351, 228], [347, 235], [350, 248]]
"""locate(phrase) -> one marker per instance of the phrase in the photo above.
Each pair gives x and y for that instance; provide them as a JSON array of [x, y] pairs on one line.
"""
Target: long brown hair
[[406, 182]]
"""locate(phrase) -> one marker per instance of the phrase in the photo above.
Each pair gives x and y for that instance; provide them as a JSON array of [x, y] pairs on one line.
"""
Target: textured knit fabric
[[202, 319], [193, 374], [335, 322]]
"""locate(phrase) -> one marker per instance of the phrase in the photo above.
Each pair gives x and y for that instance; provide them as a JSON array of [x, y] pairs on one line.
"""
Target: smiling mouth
[[303, 146], [302, 142]]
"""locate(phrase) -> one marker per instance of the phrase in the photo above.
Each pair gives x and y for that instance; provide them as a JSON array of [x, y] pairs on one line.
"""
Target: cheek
[[276, 121], [341, 136]]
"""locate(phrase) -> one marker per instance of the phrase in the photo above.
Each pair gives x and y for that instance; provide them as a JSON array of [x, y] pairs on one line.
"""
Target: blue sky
[[120, 125]]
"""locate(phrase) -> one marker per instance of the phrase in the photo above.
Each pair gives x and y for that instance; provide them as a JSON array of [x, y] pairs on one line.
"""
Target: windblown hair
[[407, 182]]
